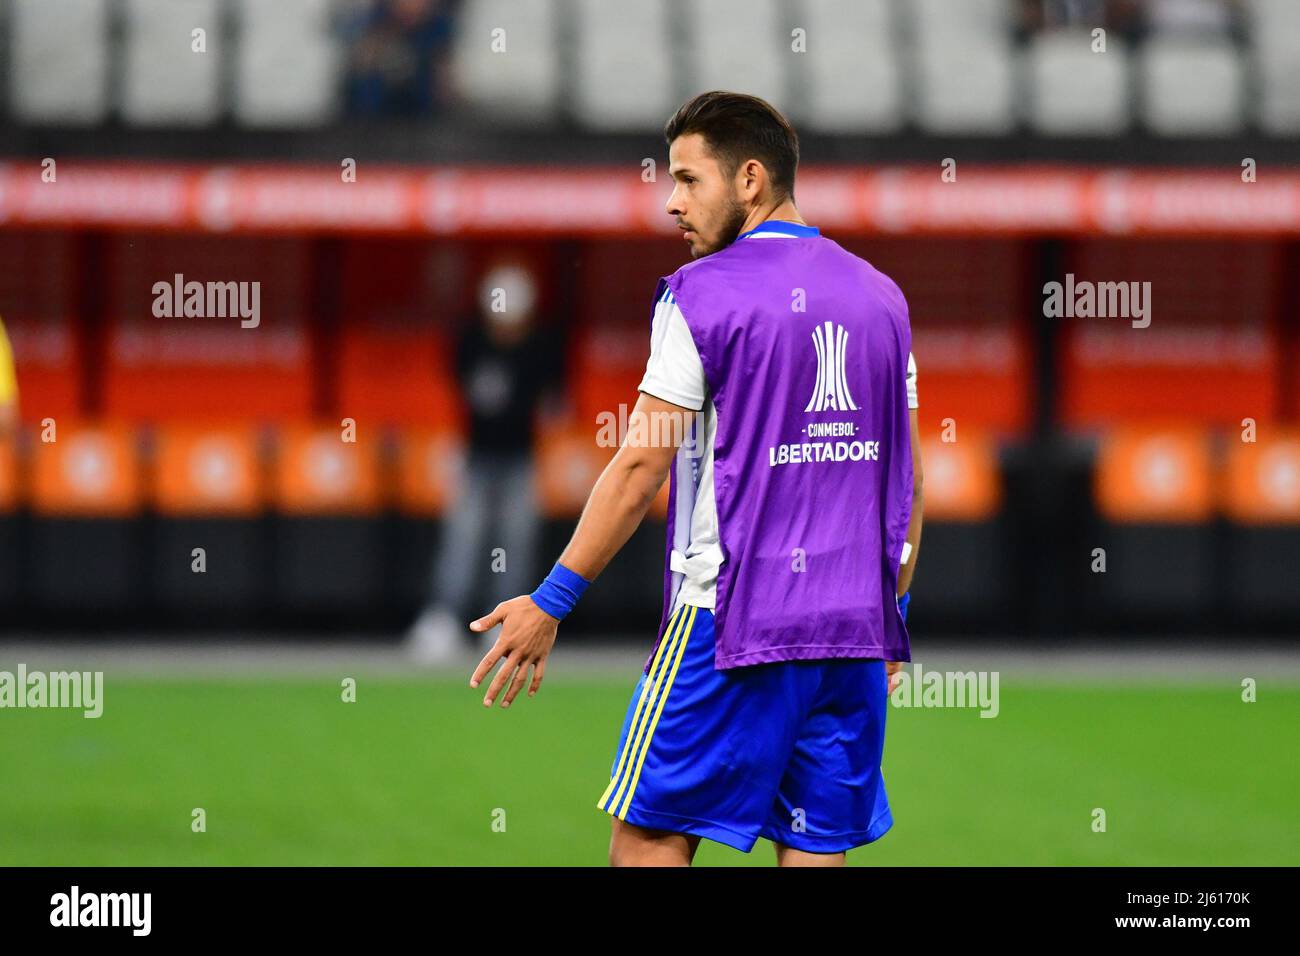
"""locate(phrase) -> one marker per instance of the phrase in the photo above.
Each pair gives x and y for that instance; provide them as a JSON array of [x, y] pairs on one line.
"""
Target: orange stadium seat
[[316, 472], [1155, 475], [90, 470], [1263, 480], [207, 470], [569, 461], [430, 464], [961, 478]]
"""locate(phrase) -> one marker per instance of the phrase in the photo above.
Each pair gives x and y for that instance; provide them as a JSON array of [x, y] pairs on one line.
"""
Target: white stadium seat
[[58, 63], [287, 63], [963, 66], [1167, 18], [1191, 86], [1273, 17], [1278, 105], [625, 76], [164, 81], [1275, 41], [850, 72], [968, 19], [739, 45], [1071, 90], [522, 83], [965, 85]]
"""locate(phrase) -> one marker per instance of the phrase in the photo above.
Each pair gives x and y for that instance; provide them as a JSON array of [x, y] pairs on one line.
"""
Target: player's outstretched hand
[[891, 673], [526, 638]]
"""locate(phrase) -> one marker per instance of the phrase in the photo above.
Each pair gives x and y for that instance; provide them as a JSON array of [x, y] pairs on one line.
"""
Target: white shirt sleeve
[[674, 371], [912, 401]]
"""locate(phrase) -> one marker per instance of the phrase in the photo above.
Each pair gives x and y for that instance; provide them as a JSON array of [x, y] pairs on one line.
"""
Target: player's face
[[706, 201]]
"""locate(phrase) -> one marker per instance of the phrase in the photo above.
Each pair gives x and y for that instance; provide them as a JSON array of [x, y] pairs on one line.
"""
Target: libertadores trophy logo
[[832, 388]]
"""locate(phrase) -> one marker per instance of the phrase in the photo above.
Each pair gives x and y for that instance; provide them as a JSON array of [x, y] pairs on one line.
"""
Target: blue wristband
[[560, 591], [903, 602]]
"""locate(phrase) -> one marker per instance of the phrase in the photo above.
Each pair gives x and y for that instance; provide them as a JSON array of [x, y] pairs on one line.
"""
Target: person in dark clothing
[[506, 367], [397, 57]]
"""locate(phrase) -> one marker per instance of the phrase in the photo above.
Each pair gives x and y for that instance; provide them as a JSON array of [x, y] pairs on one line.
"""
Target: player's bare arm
[[908, 567], [616, 506]]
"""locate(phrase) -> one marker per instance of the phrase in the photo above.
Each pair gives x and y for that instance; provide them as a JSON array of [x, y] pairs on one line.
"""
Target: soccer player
[[777, 398]]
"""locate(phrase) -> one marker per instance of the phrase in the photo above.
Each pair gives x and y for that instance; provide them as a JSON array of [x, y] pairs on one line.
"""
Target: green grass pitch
[[415, 772]]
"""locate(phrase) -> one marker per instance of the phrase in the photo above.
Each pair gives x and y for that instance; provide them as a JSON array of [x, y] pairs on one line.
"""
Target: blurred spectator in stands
[[1134, 20], [507, 369], [397, 57], [1121, 17], [1196, 17]]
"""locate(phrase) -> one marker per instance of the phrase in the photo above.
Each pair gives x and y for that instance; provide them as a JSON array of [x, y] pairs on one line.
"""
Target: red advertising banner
[[603, 200]]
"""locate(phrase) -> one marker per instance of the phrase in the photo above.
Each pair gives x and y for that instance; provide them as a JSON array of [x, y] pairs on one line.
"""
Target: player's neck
[[784, 211]]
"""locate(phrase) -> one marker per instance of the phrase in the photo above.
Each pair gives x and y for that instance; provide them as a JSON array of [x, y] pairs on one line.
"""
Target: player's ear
[[752, 179]]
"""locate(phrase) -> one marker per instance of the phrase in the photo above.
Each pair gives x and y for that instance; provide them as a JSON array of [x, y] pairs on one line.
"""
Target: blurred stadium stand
[[1071, 434], [868, 68]]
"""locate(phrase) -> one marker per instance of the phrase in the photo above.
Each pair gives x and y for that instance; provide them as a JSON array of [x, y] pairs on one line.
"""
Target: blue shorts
[[788, 751]]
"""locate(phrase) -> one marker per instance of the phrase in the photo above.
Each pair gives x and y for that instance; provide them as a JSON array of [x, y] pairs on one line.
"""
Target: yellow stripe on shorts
[[677, 659], [648, 691]]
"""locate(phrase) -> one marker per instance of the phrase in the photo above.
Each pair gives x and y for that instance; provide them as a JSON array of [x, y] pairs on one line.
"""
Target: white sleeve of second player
[[912, 401], [674, 371]]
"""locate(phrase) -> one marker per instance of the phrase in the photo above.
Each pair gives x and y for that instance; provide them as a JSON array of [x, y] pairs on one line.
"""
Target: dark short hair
[[738, 127]]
